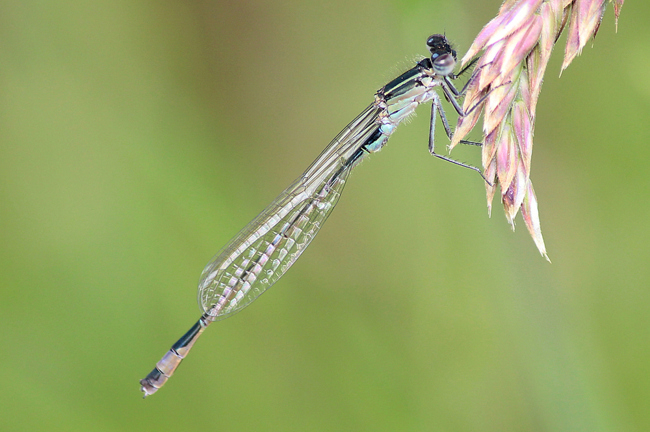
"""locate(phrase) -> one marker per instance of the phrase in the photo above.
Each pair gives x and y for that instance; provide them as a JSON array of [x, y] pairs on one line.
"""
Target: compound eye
[[444, 64], [435, 40]]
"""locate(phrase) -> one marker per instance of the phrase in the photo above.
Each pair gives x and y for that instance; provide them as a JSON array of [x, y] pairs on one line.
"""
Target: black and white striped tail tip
[[152, 382]]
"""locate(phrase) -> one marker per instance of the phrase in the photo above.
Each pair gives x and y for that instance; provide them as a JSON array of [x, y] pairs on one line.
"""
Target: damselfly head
[[443, 56]]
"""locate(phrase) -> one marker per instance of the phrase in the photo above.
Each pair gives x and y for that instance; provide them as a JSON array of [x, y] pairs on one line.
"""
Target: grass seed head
[[514, 51]]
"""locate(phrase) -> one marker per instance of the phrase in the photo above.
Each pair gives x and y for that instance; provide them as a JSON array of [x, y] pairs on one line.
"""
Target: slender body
[[265, 249]]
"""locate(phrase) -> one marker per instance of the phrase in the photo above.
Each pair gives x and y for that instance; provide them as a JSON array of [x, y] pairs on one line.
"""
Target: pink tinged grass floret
[[516, 46]]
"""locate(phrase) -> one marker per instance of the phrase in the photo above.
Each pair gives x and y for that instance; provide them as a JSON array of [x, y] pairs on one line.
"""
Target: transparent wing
[[265, 249]]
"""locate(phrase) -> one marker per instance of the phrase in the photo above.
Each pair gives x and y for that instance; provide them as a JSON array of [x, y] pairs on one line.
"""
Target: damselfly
[[265, 249]]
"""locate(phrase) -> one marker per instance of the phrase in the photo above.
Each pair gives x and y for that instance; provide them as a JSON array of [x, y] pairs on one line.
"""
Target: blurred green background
[[137, 137]]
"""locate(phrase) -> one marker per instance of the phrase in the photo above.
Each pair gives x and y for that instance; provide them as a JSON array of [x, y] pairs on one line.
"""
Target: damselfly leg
[[452, 94], [436, 107]]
